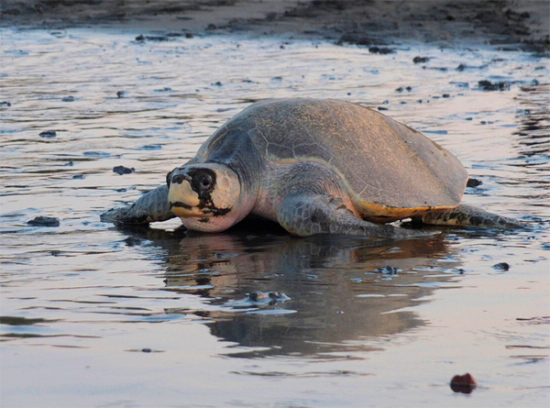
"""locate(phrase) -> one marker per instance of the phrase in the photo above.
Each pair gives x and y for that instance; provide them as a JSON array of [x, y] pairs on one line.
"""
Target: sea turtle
[[314, 166]]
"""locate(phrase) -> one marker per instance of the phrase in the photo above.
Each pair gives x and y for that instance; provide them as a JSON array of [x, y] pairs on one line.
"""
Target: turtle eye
[[204, 181]]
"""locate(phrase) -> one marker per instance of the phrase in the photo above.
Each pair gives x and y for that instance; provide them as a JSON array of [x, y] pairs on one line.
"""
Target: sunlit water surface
[[95, 316]]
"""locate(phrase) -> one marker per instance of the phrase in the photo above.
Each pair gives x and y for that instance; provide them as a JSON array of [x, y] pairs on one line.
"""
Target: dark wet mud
[[92, 315]]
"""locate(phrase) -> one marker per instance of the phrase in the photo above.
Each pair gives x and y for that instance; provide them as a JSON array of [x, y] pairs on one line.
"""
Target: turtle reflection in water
[[314, 166]]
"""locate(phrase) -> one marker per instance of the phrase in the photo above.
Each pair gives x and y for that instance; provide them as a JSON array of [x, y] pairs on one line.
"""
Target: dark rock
[[41, 221], [381, 50], [5, 104], [357, 39], [48, 134], [67, 99], [189, 35], [382, 108], [420, 60], [493, 86], [503, 266], [218, 83], [120, 94], [472, 182], [388, 270], [463, 383], [446, 96], [123, 170], [146, 350]]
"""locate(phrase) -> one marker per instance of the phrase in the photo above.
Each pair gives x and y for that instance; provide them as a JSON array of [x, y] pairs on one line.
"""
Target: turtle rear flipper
[[150, 207], [465, 215]]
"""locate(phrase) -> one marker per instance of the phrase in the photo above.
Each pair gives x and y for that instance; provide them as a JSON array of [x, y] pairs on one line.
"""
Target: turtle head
[[206, 196]]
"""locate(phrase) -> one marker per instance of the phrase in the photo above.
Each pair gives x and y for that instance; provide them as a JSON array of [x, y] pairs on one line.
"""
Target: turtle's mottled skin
[[314, 166]]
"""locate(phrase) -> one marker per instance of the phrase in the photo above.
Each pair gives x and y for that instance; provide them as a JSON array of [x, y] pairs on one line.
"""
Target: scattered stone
[[151, 147], [5, 104], [271, 16], [48, 134], [143, 38], [189, 35], [269, 297], [382, 108], [420, 60], [67, 99], [218, 83], [123, 170], [381, 50], [502, 266], [120, 94], [357, 39], [146, 350], [78, 177], [41, 221], [463, 383], [446, 96], [493, 86], [388, 270], [472, 182]]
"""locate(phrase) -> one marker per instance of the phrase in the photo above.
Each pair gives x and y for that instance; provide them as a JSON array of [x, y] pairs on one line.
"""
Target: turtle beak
[[181, 196]]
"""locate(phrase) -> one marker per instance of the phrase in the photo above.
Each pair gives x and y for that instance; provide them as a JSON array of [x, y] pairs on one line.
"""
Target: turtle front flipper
[[150, 207], [306, 213], [468, 216]]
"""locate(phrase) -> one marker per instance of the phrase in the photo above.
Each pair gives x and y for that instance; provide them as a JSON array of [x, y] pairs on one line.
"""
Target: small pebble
[[463, 383], [388, 269], [472, 182], [41, 221], [48, 133], [503, 266], [381, 50], [493, 86], [420, 60], [123, 170]]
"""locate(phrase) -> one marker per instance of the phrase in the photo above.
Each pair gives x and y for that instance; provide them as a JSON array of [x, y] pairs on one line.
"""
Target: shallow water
[[95, 316]]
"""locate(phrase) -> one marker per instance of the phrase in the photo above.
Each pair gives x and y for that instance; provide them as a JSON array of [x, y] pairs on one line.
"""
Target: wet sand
[[506, 24]]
